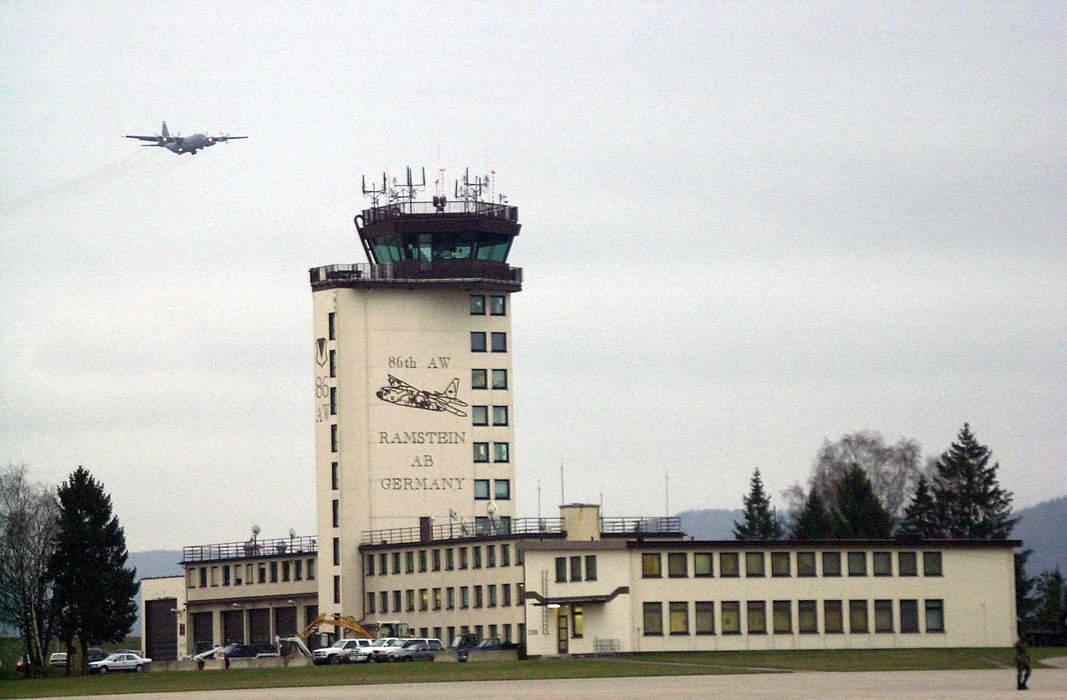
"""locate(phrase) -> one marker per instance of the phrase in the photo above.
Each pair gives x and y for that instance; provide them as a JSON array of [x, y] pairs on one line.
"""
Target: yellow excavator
[[385, 628]]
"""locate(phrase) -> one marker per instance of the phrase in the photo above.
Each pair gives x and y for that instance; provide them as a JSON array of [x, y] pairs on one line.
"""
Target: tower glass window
[[477, 341], [498, 305], [481, 489], [477, 305], [480, 415], [500, 379], [331, 322], [499, 342], [481, 452], [502, 489], [500, 452], [500, 415], [478, 379]]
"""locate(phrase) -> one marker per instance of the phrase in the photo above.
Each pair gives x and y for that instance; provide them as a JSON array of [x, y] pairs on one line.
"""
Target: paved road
[[895, 685]]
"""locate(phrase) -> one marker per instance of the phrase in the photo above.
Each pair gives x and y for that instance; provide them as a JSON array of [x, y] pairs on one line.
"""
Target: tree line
[[861, 488], [63, 568]]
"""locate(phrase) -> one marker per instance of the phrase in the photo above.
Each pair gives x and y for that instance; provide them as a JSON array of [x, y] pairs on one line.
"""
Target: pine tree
[[813, 521], [1025, 603], [1050, 597], [760, 522], [921, 516], [970, 502], [859, 513], [92, 588]]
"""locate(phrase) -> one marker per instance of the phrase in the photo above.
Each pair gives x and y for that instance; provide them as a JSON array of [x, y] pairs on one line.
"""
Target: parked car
[[236, 651], [378, 646], [417, 650], [395, 651], [120, 662], [341, 651], [95, 654], [58, 659]]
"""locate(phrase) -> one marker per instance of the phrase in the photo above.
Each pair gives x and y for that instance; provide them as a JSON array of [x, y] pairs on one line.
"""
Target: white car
[[378, 646], [120, 662], [341, 651]]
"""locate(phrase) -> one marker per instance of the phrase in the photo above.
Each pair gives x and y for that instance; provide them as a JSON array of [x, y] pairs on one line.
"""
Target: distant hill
[[710, 524]]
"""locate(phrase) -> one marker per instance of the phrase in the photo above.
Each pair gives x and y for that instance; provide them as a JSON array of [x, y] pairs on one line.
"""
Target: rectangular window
[[728, 568], [757, 617], [333, 401], [477, 552], [702, 564], [490, 556], [409, 598], [226, 574], [490, 593], [480, 415], [462, 557], [677, 565], [590, 567], [333, 363], [497, 305], [383, 599], [499, 342], [333, 437], [336, 551], [396, 563], [731, 617], [831, 563], [383, 563], [370, 565], [780, 564], [371, 602], [935, 615], [409, 562], [909, 616], [679, 617], [477, 341], [577, 622], [502, 489], [883, 563], [274, 572], [262, 573], [520, 593], [478, 379], [336, 590], [464, 598], [333, 476], [311, 569], [505, 591], [505, 555], [215, 575], [650, 566], [652, 616], [398, 603], [237, 573], [805, 563], [576, 568], [906, 565], [754, 564], [832, 617], [857, 563], [424, 599], [500, 415], [481, 452], [500, 451], [704, 617], [857, 616], [450, 560], [883, 616], [807, 617], [561, 569], [331, 324], [481, 525], [450, 598], [477, 305], [422, 560], [335, 508], [435, 559], [298, 571], [520, 556], [783, 616], [481, 489], [931, 563], [203, 578], [500, 379]]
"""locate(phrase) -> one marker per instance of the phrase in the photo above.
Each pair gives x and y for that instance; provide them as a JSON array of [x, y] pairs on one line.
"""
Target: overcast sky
[[746, 228]]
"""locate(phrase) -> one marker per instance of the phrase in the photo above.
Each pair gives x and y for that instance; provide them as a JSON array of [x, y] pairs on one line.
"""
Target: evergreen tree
[[760, 522], [92, 588], [921, 516], [970, 502], [1024, 585], [859, 513], [813, 521], [1050, 597]]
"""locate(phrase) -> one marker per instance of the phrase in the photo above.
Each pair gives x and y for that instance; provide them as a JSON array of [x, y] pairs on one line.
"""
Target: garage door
[[233, 626], [259, 626], [202, 632], [161, 629], [285, 622]]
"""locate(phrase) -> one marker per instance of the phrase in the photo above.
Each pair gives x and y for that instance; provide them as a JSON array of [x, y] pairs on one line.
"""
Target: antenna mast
[[374, 193]]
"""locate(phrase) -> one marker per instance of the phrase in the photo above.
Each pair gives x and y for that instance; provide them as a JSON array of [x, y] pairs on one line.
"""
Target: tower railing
[[466, 207], [517, 526], [249, 549], [417, 270]]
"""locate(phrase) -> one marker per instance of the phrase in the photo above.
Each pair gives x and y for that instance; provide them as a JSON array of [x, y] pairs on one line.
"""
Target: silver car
[[120, 662]]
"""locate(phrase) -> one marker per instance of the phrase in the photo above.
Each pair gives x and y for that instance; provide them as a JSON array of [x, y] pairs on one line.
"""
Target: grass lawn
[[695, 663]]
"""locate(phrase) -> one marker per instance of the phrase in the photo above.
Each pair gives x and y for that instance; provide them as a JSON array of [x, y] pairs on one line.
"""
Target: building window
[[500, 379], [226, 574], [935, 615], [652, 616], [498, 305], [704, 617], [731, 617], [435, 559], [450, 560], [311, 569], [333, 476], [262, 573], [782, 612], [857, 616], [883, 563], [478, 379], [462, 557], [490, 592], [333, 363], [477, 305], [481, 452], [883, 616], [807, 617], [677, 565], [333, 437], [274, 572], [398, 604], [500, 415], [757, 617], [502, 489], [333, 401], [422, 560], [396, 563], [906, 565], [780, 564], [237, 573], [590, 567], [298, 571], [577, 622], [383, 563], [331, 324], [805, 563], [520, 556], [500, 452], [336, 551], [409, 598], [832, 617], [505, 555], [336, 590], [480, 415], [909, 616], [702, 564], [650, 565], [679, 617], [335, 507], [477, 551], [857, 563], [729, 567], [481, 525], [203, 577], [450, 598], [370, 565], [576, 568], [464, 598], [499, 342], [754, 564], [477, 341], [424, 599], [481, 489], [520, 593], [931, 563], [831, 563], [561, 569], [371, 602], [490, 556], [505, 592], [286, 568]]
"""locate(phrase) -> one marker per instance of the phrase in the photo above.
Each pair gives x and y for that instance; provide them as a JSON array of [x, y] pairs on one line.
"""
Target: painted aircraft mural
[[403, 394]]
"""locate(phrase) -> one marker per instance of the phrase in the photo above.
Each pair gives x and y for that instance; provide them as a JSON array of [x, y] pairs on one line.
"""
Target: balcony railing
[[641, 526], [249, 549], [517, 526], [461, 207], [417, 270]]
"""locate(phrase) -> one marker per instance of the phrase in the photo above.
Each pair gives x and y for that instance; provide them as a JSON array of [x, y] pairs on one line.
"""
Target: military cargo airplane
[[403, 394], [183, 144]]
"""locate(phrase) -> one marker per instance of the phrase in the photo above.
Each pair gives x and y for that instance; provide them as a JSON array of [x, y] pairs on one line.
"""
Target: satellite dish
[[255, 530], [492, 509]]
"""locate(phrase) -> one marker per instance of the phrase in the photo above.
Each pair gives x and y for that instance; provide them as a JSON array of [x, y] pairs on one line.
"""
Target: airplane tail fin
[[453, 387], [166, 134]]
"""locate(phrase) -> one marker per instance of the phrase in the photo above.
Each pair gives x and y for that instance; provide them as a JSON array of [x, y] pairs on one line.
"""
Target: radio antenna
[[374, 193]]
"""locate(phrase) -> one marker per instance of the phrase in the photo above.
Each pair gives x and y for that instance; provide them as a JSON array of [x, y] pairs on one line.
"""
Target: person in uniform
[[1022, 663]]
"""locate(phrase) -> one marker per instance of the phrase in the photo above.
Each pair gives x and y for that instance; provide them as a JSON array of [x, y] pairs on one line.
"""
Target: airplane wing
[[398, 383], [217, 139], [148, 138]]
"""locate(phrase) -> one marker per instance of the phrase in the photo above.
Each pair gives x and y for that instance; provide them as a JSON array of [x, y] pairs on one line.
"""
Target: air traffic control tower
[[413, 386]]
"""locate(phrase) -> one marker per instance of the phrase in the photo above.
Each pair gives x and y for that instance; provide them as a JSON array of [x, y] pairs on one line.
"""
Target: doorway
[[562, 630]]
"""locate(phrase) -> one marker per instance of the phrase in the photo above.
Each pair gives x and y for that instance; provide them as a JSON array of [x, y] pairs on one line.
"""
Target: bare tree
[[28, 517], [892, 469]]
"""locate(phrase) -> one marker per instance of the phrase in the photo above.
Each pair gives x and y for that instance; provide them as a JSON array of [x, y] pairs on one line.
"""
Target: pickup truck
[[341, 651]]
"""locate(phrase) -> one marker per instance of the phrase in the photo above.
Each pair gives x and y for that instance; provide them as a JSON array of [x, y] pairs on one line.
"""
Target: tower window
[[333, 401], [333, 475], [478, 341], [481, 452], [500, 415], [480, 414], [500, 452], [481, 489], [477, 305], [333, 363], [333, 438], [500, 379], [478, 380], [497, 305], [336, 507], [502, 489], [331, 322], [499, 340]]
